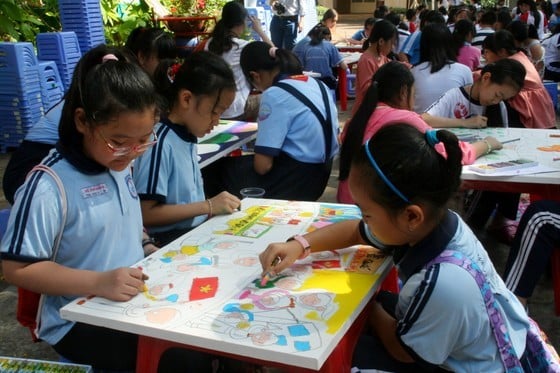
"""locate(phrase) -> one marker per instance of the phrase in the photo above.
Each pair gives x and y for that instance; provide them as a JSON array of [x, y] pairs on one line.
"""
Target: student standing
[[287, 22], [168, 177], [107, 121], [402, 186], [463, 34]]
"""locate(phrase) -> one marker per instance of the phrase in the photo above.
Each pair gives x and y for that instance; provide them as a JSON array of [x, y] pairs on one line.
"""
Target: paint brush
[[512, 140], [266, 276]]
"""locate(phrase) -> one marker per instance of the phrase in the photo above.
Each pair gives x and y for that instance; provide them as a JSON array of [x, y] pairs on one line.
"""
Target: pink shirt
[[368, 64], [533, 103], [469, 56], [385, 115]]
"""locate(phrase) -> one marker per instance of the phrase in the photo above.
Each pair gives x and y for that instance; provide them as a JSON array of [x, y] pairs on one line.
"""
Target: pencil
[[556, 159], [266, 276], [512, 140], [555, 135]]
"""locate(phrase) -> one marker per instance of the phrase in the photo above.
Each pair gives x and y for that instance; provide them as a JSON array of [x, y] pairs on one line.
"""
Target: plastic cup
[[252, 192]]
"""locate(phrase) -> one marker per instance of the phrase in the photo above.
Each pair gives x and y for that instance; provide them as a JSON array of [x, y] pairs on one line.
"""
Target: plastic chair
[[351, 85]]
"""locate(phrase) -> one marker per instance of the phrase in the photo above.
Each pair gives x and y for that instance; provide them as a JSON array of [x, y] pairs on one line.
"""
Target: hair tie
[[382, 175], [172, 71], [431, 137], [109, 57], [272, 52]]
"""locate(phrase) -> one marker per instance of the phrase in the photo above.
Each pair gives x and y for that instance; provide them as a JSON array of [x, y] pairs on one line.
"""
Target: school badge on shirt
[[94, 191], [131, 187]]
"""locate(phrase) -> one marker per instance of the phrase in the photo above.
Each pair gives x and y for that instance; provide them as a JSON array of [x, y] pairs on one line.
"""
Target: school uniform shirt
[[533, 102], [441, 315], [430, 86], [232, 57], [481, 34], [287, 126], [411, 47], [45, 130], [169, 173], [359, 35], [385, 115], [103, 229], [552, 53], [320, 58]]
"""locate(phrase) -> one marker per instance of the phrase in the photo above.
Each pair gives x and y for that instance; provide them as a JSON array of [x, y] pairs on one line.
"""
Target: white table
[[204, 292], [226, 137]]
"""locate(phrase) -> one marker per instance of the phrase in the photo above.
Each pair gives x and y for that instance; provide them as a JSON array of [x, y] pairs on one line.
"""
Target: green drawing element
[[219, 138]]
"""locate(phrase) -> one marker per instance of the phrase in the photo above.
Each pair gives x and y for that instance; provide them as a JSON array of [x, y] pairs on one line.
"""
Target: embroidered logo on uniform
[[94, 190], [265, 112], [131, 187], [460, 110]]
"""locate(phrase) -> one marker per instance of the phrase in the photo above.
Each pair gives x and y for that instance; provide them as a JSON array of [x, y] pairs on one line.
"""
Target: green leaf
[[11, 10]]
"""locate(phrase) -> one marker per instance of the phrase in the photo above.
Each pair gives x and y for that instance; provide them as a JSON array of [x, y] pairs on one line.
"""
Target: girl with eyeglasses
[[107, 121], [167, 176], [439, 320]]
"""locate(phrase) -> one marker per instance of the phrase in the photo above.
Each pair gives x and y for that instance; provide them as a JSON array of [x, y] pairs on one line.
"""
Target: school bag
[[540, 355], [29, 303]]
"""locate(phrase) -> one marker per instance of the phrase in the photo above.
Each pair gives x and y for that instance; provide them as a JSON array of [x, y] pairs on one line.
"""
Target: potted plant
[[182, 12]]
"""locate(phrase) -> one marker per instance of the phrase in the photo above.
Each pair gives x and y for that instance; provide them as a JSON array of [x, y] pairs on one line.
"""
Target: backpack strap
[[326, 123], [46, 169], [507, 352]]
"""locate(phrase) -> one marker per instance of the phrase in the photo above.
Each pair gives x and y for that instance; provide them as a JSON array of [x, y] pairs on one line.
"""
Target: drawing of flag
[[203, 288]]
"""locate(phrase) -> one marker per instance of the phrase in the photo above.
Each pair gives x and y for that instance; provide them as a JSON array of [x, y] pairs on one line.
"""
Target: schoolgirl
[[150, 45], [463, 34]]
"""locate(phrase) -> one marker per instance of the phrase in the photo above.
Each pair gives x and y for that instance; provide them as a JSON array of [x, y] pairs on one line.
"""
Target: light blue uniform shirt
[[45, 130], [411, 47], [103, 229], [169, 173], [320, 58], [287, 125]]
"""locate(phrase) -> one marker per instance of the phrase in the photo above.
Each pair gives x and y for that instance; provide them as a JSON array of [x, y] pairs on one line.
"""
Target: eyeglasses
[[125, 150]]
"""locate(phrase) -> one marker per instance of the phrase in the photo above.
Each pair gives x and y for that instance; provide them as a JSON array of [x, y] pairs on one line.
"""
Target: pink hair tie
[[109, 57], [272, 52]]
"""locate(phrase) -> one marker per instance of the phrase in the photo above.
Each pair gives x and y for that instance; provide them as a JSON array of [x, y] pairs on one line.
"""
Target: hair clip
[[172, 71], [272, 52], [109, 57], [431, 137]]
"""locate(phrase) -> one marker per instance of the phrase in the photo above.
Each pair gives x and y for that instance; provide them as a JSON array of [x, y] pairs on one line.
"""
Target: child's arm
[[263, 163], [332, 237], [157, 214], [256, 25], [48, 277], [385, 326], [476, 121]]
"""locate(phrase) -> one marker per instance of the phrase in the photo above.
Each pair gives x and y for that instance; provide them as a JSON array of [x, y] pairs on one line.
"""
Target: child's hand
[[476, 121], [256, 24], [288, 252], [224, 203], [121, 284], [494, 143]]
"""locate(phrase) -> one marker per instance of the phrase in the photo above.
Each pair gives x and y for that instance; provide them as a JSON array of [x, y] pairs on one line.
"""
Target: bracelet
[[489, 147], [148, 241], [209, 208], [303, 242]]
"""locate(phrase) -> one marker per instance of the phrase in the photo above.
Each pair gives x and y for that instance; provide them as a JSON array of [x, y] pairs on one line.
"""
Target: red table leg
[[342, 86]]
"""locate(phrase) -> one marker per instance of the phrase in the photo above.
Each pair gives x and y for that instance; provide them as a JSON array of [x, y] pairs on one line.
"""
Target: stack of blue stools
[[20, 92], [84, 18], [63, 49], [52, 89]]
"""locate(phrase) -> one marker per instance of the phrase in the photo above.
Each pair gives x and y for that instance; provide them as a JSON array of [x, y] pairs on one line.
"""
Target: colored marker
[[512, 140], [556, 159], [266, 276]]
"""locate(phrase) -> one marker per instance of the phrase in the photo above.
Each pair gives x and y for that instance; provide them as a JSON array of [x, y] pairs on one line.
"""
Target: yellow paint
[[189, 250], [243, 325], [349, 289], [313, 315], [306, 214], [206, 289], [247, 306]]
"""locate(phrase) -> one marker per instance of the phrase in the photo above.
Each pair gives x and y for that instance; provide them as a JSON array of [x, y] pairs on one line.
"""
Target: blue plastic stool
[[351, 85], [552, 88]]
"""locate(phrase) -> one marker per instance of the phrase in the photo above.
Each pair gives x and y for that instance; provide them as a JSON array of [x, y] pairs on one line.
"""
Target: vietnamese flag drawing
[[203, 288]]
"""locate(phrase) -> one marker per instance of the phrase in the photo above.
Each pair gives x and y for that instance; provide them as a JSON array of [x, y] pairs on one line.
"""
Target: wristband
[[489, 147], [303, 242], [148, 241]]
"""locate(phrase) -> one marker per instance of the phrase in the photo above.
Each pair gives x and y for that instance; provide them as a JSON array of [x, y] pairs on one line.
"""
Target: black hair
[[151, 41], [203, 74], [532, 32], [257, 56], [410, 13], [394, 18], [413, 166], [103, 90], [383, 29], [461, 32], [233, 14], [532, 9], [501, 39], [506, 71], [503, 17], [380, 12], [369, 22], [519, 30], [387, 84], [431, 16], [488, 18], [319, 33], [329, 14], [436, 46]]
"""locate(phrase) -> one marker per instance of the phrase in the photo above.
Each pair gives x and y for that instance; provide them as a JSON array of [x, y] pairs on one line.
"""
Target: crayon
[[555, 135], [266, 276]]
